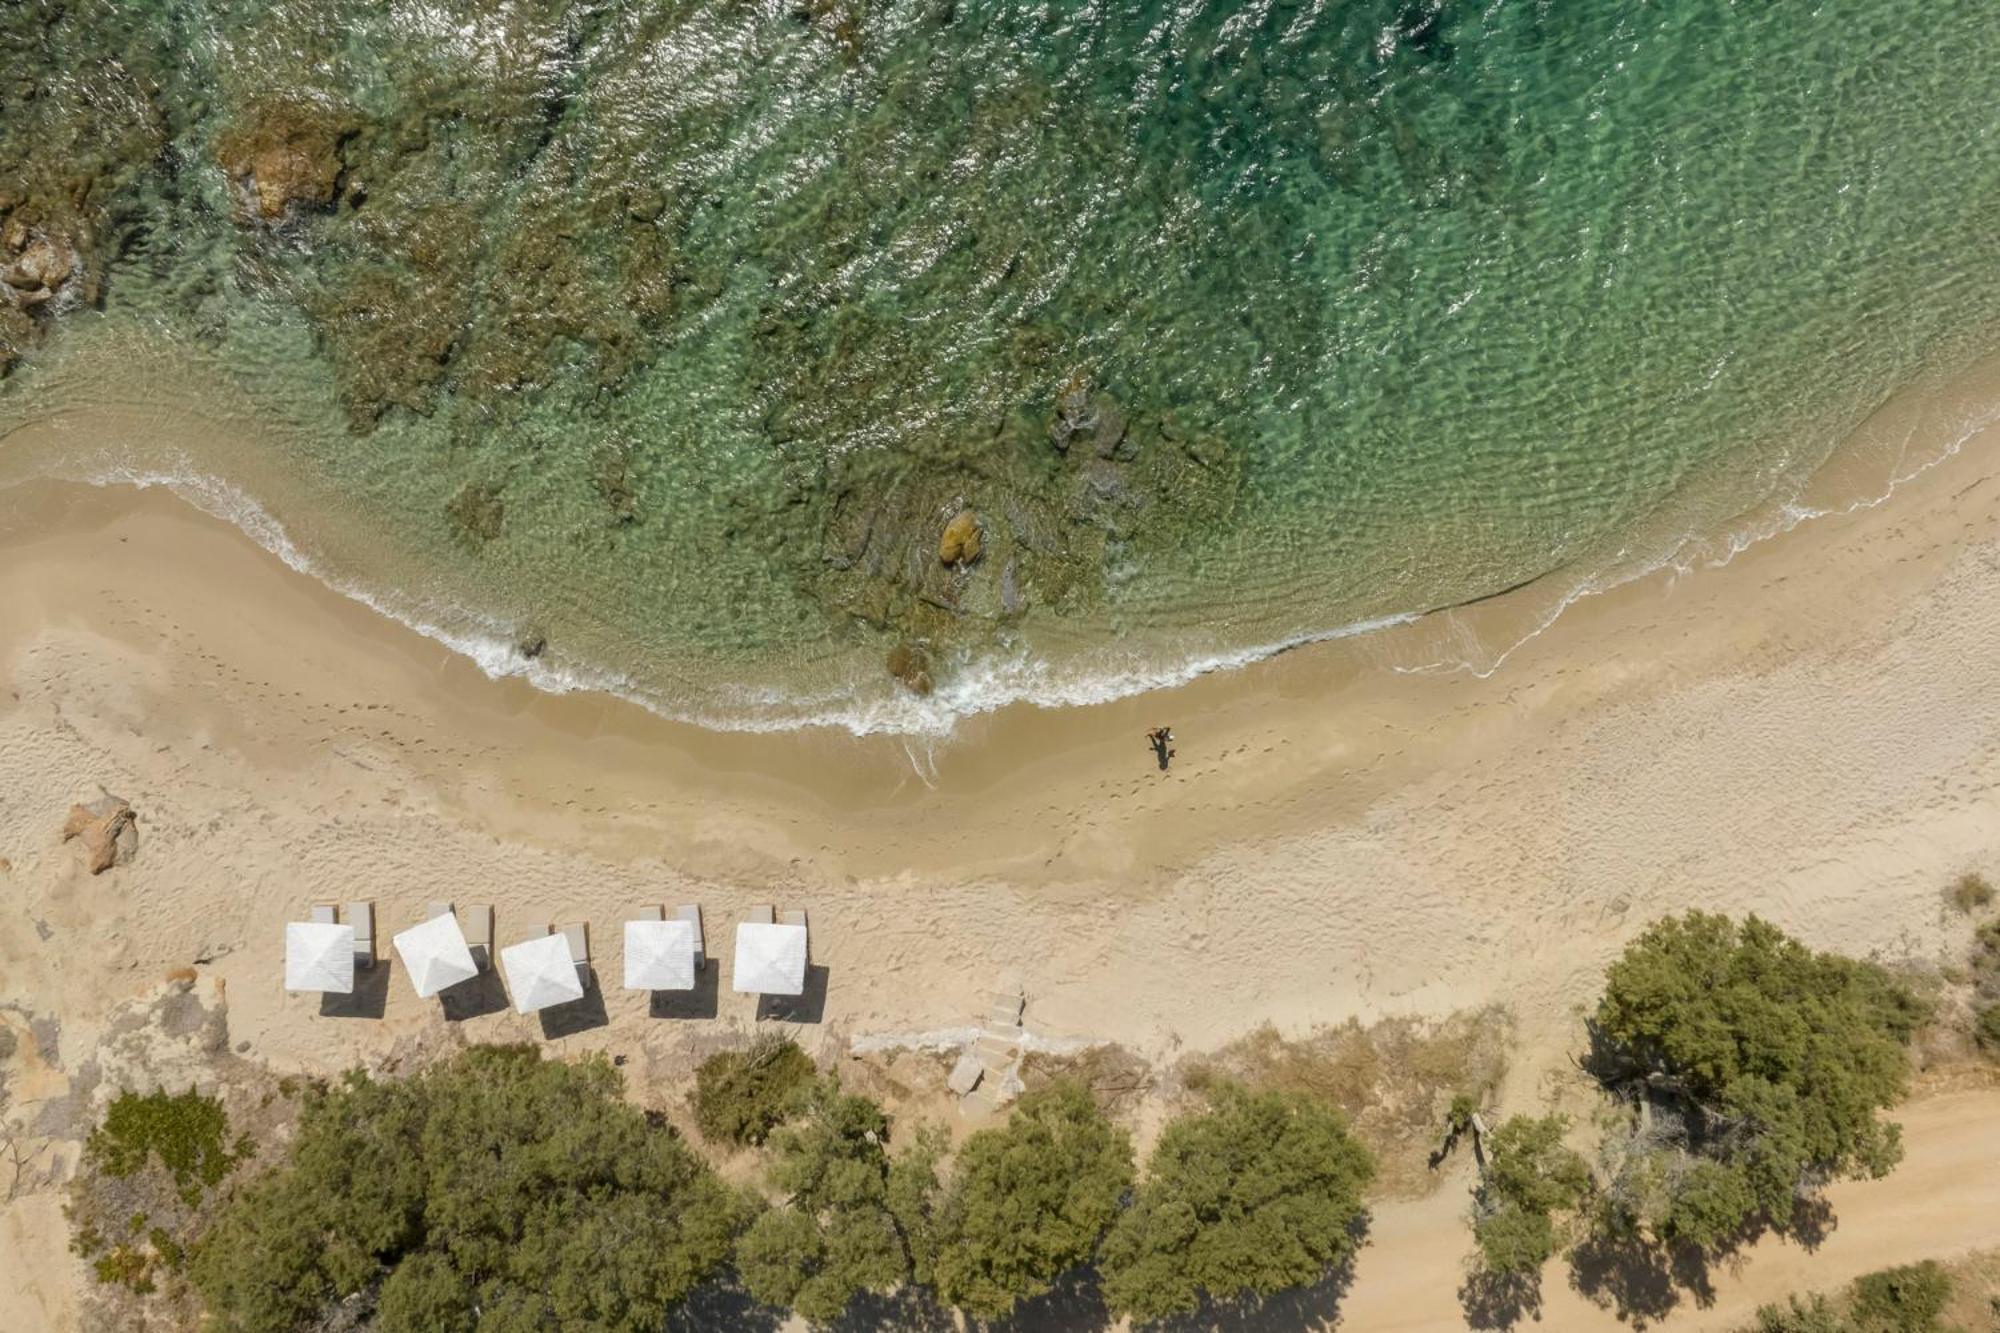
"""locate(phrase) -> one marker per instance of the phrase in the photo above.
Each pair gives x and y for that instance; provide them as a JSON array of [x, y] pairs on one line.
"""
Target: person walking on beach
[[1161, 739]]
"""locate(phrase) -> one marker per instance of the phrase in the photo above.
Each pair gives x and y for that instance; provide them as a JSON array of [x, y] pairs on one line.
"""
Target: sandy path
[[1944, 1200]]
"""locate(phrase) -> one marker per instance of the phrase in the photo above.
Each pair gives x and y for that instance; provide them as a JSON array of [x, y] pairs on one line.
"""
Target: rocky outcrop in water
[[286, 159], [38, 266], [961, 540], [519, 263], [81, 126], [910, 663]]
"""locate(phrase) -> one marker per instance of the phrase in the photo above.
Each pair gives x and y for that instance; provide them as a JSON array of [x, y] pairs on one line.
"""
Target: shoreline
[[1804, 731], [1911, 432], [1035, 801]]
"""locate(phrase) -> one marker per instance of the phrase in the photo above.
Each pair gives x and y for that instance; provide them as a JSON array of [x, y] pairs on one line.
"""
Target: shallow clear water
[[1398, 304]]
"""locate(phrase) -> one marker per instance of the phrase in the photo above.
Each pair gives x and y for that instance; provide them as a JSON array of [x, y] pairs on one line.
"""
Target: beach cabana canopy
[[319, 957], [436, 955], [770, 959], [540, 972], [659, 955]]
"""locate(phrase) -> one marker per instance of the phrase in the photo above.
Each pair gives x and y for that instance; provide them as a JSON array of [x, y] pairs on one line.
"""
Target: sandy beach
[[1805, 731]]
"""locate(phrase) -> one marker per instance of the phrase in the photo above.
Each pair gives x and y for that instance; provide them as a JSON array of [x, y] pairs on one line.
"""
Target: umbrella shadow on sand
[[578, 1015], [701, 1002], [368, 999], [808, 1007], [474, 997]]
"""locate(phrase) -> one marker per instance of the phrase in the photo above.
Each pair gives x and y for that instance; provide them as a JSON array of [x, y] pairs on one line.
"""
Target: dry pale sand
[[1808, 731]]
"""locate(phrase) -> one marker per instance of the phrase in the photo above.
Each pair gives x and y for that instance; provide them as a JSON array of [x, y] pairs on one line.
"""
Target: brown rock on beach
[[105, 827]]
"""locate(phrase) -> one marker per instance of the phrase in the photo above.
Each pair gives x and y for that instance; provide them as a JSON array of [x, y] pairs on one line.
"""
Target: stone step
[[965, 1075], [1008, 1003], [995, 1052]]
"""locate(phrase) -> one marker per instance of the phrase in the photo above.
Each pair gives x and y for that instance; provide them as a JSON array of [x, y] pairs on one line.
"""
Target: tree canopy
[[1029, 1200], [1257, 1194], [852, 1219], [1531, 1179], [1774, 1059], [741, 1096], [497, 1190]]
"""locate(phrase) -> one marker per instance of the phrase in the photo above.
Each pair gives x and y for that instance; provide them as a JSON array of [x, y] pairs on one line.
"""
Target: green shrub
[[1029, 1201], [1986, 1029], [171, 1252], [1986, 952], [498, 1188], [841, 1229], [125, 1267], [1813, 1314], [1745, 1026], [1258, 1194], [1970, 891], [1531, 1179], [186, 1133], [1908, 1299], [741, 1096]]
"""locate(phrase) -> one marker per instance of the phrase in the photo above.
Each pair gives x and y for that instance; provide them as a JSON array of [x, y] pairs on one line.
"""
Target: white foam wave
[[975, 685]]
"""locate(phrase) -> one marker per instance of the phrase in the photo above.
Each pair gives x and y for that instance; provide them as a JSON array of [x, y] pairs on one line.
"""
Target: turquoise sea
[[653, 346]]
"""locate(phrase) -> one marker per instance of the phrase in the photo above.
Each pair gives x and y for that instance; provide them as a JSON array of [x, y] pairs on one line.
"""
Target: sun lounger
[[477, 923], [362, 917], [691, 914], [578, 935], [436, 909], [649, 914], [758, 915], [325, 914], [798, 918]]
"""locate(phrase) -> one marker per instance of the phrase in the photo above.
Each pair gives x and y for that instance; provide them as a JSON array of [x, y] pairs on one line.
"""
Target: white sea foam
[[1000, 677]]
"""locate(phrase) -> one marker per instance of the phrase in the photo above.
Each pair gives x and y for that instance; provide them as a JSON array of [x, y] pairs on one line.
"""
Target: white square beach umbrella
[[319, 956], [436, 955], [659, 955], [770, 959], [540, 973]]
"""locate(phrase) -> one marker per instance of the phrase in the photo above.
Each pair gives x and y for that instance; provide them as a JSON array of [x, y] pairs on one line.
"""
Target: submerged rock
[[286, 159], [478, 510], [1084, 414], [911, 664], [42, 265], [962, 538]]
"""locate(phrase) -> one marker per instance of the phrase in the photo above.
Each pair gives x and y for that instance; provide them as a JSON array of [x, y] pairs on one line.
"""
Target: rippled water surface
[[661, 342]]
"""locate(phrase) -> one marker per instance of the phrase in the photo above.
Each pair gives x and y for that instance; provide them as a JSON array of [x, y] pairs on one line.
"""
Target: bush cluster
[[1970, 892], [1986, 987], [1909, 1299], [1761, 1065], [184, 1132], [498, 1191], [741, 1096]]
